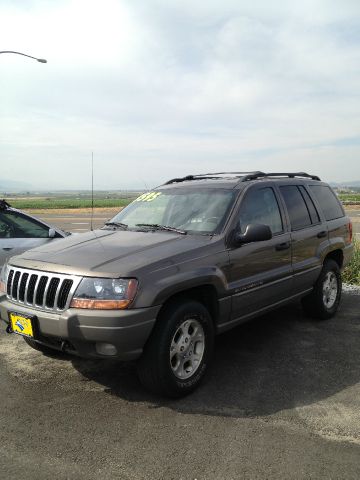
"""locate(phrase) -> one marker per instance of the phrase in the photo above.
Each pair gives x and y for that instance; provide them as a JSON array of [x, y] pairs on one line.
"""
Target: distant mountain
[[13, 186], [350, 183]]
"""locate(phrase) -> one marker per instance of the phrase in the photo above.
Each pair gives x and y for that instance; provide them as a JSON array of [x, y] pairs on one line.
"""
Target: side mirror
[[254, 233], [52, 232]]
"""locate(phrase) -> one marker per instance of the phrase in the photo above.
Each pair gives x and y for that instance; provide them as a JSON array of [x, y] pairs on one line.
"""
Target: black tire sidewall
[[170, 321]]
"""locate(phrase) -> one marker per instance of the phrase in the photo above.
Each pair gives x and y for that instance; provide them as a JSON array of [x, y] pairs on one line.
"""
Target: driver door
[[260, 272]]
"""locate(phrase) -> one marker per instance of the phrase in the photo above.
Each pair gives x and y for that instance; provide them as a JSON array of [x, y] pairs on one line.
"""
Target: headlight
[[104, 293], [3, 278]]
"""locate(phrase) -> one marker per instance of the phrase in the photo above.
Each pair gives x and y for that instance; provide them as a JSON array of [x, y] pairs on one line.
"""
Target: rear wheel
[[324, 300], [179, 349]]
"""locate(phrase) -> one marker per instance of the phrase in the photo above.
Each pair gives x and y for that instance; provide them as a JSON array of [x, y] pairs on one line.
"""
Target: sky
[[158, 89]]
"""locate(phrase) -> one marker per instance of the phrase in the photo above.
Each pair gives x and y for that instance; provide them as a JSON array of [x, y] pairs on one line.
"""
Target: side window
[[328, 201], [260, 206], [16, 225], [5, 229], [310, 205], [296, 207]]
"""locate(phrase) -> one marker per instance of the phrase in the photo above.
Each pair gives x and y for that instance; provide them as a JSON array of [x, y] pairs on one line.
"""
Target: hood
[[109, 253]]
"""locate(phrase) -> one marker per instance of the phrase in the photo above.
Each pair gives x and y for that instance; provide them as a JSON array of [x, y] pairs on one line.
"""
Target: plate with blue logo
[[21, 324]]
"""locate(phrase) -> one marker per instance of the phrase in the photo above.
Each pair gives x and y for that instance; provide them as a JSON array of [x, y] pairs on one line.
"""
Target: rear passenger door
[[308, 235], [260, 272]]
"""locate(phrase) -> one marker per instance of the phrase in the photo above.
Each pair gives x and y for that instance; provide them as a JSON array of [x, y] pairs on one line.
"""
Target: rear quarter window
[[328, 201]]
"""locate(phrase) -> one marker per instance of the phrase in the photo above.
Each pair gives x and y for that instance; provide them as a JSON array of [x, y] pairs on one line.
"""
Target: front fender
[[160, 289]]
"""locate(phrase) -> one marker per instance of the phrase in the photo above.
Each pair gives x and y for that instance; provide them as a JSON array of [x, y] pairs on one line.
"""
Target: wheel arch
[[205, 294], [336, 255]]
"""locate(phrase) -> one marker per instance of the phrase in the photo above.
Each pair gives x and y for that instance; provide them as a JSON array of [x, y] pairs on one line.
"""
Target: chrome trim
[[39, 273], [19, 284], [26, 287], [35, 291], [45, 292]]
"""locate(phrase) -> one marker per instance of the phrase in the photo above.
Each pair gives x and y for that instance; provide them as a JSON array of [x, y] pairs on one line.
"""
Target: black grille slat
[[64, 293], [31, 288], [22, 287], [10, 278], [51, 293], [39, 299], [15, 285]]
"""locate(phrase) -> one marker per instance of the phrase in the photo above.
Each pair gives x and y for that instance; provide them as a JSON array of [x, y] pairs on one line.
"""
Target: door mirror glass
[[52, 232], [254, 232]]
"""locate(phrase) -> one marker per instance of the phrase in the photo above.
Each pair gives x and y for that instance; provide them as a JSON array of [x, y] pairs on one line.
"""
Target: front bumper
[[83, 332]]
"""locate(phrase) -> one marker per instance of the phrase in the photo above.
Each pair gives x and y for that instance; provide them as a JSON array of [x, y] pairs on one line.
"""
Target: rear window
[[328, 201], [296, 207]]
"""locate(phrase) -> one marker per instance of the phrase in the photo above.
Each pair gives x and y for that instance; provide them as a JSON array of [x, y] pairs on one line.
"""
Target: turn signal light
[[99, 304]]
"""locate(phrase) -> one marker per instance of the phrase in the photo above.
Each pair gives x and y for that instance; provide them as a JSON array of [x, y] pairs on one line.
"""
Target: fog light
[[105, 348]]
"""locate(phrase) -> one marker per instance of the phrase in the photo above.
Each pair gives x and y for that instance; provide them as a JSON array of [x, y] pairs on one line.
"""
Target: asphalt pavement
[[281, 401]]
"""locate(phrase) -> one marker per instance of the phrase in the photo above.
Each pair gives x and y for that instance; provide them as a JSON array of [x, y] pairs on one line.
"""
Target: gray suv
[[195, 257]]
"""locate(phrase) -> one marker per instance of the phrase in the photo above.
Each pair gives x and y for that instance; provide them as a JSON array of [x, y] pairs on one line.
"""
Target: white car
[[20, 232]]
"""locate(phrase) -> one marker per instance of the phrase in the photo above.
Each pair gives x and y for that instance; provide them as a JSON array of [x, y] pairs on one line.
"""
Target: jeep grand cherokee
[[188, 260]]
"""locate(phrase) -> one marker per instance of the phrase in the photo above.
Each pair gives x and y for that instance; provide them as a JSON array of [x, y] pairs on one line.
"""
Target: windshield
[[193, 211]]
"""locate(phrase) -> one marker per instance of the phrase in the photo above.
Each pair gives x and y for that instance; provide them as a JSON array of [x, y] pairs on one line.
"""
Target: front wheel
[[179, 349], [324, 300]]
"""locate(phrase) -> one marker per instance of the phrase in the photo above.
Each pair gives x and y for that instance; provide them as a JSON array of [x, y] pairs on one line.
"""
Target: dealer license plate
[[21, 325]]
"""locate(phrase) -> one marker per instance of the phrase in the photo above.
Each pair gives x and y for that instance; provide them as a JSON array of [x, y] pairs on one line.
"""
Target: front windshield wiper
[[116, 224], [156, 226]]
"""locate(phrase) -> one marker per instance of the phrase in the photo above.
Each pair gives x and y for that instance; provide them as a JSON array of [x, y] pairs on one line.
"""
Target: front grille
[[41, 290]]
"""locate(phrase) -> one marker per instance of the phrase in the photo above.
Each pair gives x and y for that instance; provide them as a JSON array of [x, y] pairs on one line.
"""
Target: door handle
[[282, 246], [322, 234], [8, 248]]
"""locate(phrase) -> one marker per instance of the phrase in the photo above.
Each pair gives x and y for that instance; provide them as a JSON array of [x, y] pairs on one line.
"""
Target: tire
[[42, 348], [324, 300], [177, 354]]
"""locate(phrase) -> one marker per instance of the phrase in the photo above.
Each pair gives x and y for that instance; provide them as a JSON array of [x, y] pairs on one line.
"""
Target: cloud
[[175, 88]]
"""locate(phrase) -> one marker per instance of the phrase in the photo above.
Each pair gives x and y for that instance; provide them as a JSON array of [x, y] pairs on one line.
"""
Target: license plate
[[21, 325]]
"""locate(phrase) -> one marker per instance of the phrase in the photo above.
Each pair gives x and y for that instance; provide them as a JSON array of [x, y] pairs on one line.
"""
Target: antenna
[[92, 190], [147, 188]]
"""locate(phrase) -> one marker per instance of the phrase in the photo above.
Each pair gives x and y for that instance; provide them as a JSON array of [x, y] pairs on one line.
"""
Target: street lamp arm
[[41, 60]]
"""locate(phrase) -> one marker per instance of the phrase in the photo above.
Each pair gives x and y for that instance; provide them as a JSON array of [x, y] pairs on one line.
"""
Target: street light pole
[[41, 60]]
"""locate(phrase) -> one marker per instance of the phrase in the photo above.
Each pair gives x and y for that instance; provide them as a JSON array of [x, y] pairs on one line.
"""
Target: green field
[[351, 273], [60, 203], [349, 197]]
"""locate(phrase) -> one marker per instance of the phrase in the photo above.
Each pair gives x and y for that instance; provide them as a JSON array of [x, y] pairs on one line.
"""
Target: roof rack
[[256, 175], [243, 176], [208, 176]]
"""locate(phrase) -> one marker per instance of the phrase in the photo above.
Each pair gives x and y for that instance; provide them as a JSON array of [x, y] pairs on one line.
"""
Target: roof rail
[[208, 176], [243, 176], [256, 175]]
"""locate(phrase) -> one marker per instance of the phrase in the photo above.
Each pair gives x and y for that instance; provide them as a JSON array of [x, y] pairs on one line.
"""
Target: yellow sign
[[21, 325], [148, 197]]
